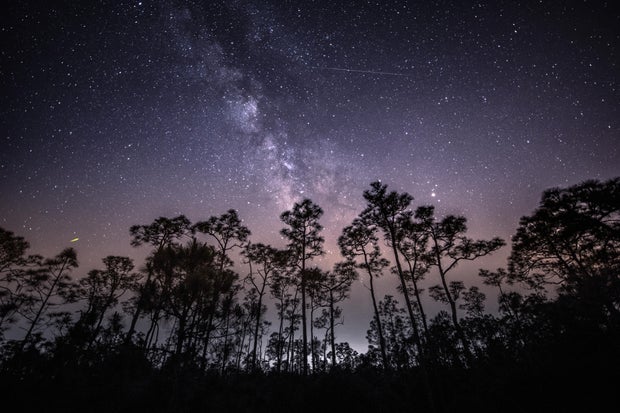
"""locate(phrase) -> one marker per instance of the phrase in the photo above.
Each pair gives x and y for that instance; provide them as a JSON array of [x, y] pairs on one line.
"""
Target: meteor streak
[[373, 72], [75, 239]]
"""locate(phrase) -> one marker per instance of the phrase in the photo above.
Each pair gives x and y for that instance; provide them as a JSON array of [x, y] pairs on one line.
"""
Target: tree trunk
[[455, 321], [416, 293], [331, 326], [280, 346], [139, 305], [304, 350], [384, 358], [416, 334], [256, 327], [312, 334], [39, 313]]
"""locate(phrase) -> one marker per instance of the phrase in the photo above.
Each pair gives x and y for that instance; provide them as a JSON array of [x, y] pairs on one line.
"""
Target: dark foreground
[[585, 380]]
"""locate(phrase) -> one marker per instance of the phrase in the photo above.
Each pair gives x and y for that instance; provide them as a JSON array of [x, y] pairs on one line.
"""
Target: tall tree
[[279, 287], [160, 233], [360, 240], [102, 290], [228, 232], [389, 211], [413, 245], [314, 278], [397, 331], [305, 243], [184, 272], [449, 246], [13, 266], [264, 262], [572, 240], [505, 299], [49, 286], [335, 286]]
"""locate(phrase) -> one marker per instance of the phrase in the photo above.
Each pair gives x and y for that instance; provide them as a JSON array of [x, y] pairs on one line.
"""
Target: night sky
[[119, 112]]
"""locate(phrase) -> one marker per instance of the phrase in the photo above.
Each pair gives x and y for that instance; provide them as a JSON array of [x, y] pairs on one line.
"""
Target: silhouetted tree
[[509, 301], [449, 246], [160, 233], [335, 287], [390, 211], [232, 316], [413, 245], [496, 279], [347, 357], [184, 272], [397, 333], [264, 261], [314, 277], [305, 243], [229, 233], [48, 287], [279, 287], [102, 290], [541, 343], [360, 240], [573, 240], [13, 266], [293, 319]]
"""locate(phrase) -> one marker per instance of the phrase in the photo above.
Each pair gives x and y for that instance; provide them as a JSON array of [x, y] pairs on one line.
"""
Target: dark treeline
[[188, 332]]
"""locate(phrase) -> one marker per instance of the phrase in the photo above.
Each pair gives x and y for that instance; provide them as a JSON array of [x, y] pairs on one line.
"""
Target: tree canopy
[[195, 313]]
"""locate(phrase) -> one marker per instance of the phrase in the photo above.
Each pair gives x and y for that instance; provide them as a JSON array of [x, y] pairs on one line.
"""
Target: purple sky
[[116, 114]]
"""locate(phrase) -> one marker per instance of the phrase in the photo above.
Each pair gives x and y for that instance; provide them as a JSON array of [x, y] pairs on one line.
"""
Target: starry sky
[[114, 113]]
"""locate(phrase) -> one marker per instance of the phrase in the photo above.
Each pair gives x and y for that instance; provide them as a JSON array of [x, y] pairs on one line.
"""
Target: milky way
[[115, 114]]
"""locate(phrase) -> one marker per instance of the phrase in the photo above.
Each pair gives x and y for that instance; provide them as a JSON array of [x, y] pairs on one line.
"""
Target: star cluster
[[116, 113]]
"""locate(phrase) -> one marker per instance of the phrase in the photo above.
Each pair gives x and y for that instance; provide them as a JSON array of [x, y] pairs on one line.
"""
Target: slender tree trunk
[[258, 317], [331, 326], [455, 321], [154, 329], [256, 327], [280, 344], [416, 293], [205, 346], [384, 358], [181, 332], [151, 331], [192, 333], [226, 328], [95, 333], [209, 327], [39, 313], [139, 305], [312, 358], [304, 351], [416, 334], [414, 324], [290, 351], [244, 331]]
